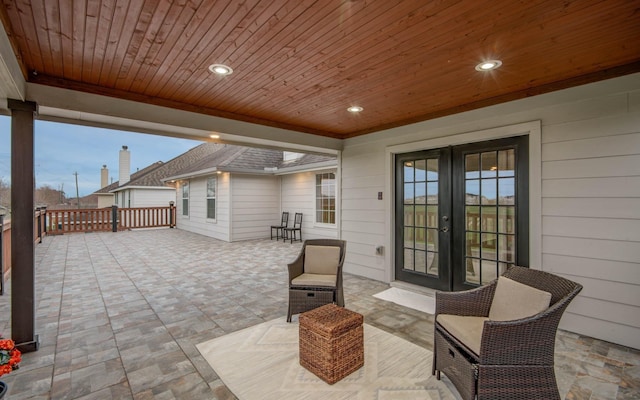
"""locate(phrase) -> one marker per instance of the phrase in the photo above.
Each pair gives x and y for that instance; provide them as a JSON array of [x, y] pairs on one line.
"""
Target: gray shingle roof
[[233, 157], [136, 175], [193, 156], [208, 156]]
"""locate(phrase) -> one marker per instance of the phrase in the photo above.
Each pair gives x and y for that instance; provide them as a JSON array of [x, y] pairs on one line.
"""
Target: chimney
[[104, 176], [125, 166]]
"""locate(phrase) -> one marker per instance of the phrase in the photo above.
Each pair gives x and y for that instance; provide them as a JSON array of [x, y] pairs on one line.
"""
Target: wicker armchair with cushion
[[315, 276], [497, 341]]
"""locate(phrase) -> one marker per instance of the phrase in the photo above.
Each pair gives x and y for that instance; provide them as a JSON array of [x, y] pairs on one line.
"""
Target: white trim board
[[533, 129]]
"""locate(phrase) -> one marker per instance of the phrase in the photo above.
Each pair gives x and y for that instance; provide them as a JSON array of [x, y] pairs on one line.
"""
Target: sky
[[63, 149]]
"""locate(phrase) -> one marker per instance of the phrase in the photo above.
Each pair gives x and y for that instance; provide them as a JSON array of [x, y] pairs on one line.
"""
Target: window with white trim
[[211, 197], [326, 198], [185, 198]]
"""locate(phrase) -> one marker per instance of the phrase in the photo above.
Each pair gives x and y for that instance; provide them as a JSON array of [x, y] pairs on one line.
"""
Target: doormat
[[407, 298]]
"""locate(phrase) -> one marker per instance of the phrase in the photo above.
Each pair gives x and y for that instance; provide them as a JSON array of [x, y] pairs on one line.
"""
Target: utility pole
[[77, 193]]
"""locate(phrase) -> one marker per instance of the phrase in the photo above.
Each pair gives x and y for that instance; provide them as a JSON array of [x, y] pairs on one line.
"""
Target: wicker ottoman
[[331, 342]]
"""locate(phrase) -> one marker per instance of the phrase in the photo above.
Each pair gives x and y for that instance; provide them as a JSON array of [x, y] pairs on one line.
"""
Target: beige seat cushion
[[314, 280], [322, 260], [468, 330], [514, 300]]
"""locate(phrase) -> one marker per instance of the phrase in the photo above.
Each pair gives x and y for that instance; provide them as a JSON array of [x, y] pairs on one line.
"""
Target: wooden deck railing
[[5, 241], [109, 219], [148, 217], [78, 220], [5, 251]]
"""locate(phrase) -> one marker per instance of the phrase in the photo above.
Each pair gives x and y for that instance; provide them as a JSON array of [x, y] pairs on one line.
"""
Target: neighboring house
[[107, 195], [145, 187], [144, 190], [238, 192]]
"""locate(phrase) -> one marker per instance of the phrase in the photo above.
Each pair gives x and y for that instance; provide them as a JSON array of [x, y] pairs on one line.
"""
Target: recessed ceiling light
[[220, 69], [488, 65], [214, 136], [355, 109]]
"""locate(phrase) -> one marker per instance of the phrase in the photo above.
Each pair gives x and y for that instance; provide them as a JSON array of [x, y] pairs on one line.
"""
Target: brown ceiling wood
[[300, 64]]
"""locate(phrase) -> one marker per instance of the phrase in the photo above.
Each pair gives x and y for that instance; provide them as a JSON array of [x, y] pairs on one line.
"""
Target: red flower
[[6, 344], [16, 357], [10, 357]]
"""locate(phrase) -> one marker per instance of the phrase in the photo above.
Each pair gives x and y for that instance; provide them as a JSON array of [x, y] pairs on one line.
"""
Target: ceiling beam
[[12, 83], [64, 105]]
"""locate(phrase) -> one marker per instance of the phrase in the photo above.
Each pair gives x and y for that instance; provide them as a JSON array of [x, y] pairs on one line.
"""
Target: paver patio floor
[[119, 315]]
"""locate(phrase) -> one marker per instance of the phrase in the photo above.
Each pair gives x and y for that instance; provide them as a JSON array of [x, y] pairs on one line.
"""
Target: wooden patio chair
[[290, 233], [497, 341], [279, 229], [315, 276]]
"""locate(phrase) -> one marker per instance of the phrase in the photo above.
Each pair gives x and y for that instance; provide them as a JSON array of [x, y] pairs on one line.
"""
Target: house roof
[[249, 159], [134, 177], [209, 156], [154, 176]]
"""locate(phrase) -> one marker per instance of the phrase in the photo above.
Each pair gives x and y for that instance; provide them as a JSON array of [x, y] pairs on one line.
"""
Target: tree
[[5, 194], [46, 195]]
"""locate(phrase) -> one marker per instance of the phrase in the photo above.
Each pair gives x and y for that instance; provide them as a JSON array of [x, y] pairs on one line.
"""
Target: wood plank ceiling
[[300, 64]]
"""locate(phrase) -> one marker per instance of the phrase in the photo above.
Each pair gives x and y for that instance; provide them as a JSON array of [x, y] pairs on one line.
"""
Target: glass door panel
[[492, 232], [418, 240]]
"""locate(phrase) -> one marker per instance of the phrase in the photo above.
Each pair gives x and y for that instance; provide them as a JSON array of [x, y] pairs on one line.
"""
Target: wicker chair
[[513, 358], [315, 276]]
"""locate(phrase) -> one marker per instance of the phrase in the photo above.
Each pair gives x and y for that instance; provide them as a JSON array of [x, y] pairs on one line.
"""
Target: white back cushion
[[514, 300], [322, 260]]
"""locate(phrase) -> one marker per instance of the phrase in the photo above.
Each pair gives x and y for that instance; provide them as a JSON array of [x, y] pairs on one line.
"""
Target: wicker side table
[[331, 342]]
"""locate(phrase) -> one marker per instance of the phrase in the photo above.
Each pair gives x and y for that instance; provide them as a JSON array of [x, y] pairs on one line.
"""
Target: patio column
[[22, 231]]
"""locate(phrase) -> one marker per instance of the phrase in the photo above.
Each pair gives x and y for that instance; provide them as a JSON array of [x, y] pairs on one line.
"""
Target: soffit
[[299, 65]]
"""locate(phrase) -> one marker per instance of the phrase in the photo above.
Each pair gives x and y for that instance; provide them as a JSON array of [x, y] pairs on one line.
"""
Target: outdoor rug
[[261, 363], [407, 298]]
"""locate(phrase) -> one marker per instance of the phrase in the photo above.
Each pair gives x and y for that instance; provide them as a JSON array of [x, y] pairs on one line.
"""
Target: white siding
[[590, 195], [363, 215], [196, 221], [255, 206], [594, 237], [152, 197], [247, 205], [106, 200], [298, 195]]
